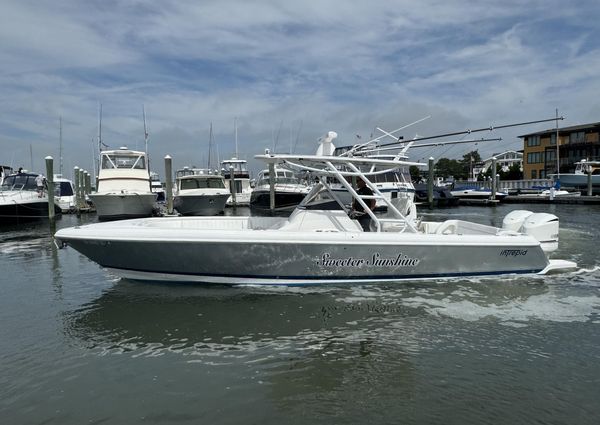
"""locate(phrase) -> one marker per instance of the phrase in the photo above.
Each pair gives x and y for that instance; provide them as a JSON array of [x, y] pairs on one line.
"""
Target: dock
[[575, 200]]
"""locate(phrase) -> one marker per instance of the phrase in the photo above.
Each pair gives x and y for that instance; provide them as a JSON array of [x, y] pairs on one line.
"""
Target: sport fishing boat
[[123, 185], [579, 178], [199, 192], [317, 247], [20, 199]]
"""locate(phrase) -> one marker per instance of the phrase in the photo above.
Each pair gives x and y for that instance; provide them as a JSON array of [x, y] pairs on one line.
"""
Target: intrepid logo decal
[[513, 252], [400, 260]]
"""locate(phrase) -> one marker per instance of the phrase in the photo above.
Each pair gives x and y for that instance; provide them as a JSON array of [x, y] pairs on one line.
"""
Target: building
[[575, 143]]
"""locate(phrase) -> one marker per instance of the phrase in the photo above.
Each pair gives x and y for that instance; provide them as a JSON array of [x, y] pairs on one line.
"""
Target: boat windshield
[[19, 182], [216, 183], [63, 189], [110, 161]]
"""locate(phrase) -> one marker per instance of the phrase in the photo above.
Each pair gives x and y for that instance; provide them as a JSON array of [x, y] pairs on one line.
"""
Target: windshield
[[19, 181], [202, 184], [110, 161]]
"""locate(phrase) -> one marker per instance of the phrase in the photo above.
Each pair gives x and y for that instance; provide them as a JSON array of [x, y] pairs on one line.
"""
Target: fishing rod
[[423, 145], [469, 131], [391, 134]]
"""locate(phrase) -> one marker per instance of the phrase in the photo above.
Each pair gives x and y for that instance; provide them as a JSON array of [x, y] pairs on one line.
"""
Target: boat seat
[[320, 221]]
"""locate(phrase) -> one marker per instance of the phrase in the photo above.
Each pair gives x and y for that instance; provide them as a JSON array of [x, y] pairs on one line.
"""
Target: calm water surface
[[78, 345]]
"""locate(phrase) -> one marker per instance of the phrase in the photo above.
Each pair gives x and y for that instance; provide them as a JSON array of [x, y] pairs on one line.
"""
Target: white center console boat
[[319, 246]]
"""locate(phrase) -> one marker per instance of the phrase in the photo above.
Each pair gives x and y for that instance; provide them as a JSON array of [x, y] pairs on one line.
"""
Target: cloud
[[289, 71]]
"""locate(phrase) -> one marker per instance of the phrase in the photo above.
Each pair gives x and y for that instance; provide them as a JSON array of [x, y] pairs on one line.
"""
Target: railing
[[507, 184]]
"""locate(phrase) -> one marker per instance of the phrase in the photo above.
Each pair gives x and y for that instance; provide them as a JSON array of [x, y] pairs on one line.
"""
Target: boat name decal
[[376, 260], [513, 252]]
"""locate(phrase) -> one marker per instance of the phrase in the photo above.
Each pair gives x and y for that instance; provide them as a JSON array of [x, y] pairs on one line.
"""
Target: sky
[[285, 73]]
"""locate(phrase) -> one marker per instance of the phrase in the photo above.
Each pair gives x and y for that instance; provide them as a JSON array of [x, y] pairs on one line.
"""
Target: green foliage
[[415, 173]]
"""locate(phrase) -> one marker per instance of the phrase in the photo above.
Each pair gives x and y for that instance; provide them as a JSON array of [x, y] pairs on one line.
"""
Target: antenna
[[236, 139], [145, 130], [31, 156], [60, 155]]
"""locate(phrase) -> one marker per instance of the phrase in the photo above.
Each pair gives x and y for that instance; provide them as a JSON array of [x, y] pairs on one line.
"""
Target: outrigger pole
[[490, 128]]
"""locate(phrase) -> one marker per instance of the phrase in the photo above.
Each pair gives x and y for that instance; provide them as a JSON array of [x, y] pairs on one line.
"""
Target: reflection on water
[[457, 351]]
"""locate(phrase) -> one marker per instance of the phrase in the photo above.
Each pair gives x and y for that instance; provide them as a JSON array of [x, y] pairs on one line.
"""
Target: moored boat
[[200, 192], [20, 199], [123, 185]]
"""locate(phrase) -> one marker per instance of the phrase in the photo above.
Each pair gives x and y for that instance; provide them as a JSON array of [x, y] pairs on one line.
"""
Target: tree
[[450, 167], [415, 173], [514, 173]]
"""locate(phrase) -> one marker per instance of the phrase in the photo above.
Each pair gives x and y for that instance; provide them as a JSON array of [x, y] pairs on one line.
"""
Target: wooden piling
[[169, 183], [50, 183]]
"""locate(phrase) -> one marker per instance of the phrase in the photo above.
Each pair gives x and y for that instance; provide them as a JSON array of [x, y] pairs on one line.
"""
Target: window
[[553, 139], [533, 141], [542, 174], [534, 174], [534, 157], [578, 137]]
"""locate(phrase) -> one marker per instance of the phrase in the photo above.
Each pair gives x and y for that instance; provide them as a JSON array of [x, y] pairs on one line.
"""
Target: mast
[[236, 139], [210, 135], [145, 131], [31, 156], [557, 151], [99, 128], [60, 155]]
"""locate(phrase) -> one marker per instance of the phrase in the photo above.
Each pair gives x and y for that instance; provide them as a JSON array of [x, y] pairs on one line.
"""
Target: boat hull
[[298, 258], [578, 180], [120, 206], [19, 206], [200, 205]]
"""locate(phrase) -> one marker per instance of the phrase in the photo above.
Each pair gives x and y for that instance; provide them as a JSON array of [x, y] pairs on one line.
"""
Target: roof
[[591, 126]]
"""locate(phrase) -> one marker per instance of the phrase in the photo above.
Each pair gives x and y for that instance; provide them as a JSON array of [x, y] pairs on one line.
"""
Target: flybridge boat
[[319, 246], [123, 185]]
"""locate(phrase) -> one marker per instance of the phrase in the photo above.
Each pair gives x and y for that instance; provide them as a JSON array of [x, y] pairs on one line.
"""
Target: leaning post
[[169, 183], [50, 183]]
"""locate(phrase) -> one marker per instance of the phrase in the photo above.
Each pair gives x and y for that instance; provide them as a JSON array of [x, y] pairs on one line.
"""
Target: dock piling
[[232, 185], [169, 183], [430, 183], [494, 180], [589, 182], [271, 186], [50, 183]]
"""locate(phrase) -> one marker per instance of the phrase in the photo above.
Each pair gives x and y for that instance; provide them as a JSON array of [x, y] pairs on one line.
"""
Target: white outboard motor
[[542, 226], [515, 219]]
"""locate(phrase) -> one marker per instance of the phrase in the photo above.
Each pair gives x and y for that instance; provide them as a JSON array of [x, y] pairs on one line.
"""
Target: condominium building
[[574, 144]]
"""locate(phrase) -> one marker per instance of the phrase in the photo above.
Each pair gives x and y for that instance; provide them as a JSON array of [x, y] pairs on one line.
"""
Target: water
[[78, 345]]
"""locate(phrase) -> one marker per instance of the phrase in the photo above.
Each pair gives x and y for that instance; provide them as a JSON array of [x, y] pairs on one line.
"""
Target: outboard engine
[[515, 219], [542, 226]]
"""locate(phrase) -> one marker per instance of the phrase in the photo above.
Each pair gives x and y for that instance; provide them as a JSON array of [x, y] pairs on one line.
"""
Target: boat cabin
[[200, 181], [238, 166], [20, 181]]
